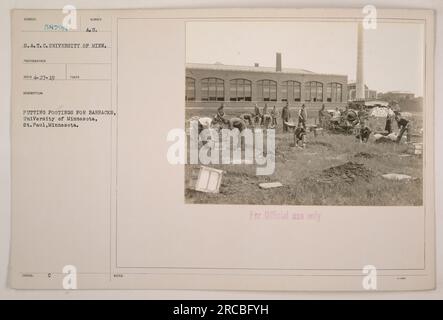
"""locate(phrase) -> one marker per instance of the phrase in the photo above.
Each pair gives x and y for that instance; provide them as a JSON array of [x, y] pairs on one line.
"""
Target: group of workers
[[352, 118], [268, 119]]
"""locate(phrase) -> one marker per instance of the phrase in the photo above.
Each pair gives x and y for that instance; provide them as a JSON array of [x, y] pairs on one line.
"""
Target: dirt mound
[[365, 155], [348, 172]]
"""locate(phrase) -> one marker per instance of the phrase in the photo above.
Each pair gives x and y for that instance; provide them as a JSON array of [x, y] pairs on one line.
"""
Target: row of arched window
[[213, 89]]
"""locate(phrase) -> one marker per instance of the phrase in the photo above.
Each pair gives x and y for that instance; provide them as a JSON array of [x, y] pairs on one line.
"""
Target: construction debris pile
[[348, 172]]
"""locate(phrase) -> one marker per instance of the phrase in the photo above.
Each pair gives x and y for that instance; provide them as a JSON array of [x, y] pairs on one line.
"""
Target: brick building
[[396, 95], [207, 85], [352, 92]]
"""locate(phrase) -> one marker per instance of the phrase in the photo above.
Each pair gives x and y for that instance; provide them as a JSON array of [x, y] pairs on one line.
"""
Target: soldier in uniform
[[389, 119], [302, 116], [274, 114], [322, 116], [265, 109], [247, 118], [300, 136], [285, 116], [363, 131], [237, 123], [403, 125], [257, 115], [221, 111]]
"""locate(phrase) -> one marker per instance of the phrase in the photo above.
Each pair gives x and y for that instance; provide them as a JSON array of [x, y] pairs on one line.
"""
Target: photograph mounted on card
[[339, 114], [228, 149]]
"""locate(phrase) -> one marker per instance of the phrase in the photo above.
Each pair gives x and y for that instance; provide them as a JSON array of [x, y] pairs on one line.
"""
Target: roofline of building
[[259, 70], [399, 92]]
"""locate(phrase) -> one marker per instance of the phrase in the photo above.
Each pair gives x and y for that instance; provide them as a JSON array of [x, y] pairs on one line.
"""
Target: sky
[[393, 52]]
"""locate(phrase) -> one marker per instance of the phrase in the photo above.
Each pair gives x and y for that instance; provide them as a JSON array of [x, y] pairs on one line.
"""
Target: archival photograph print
[[300, 112]]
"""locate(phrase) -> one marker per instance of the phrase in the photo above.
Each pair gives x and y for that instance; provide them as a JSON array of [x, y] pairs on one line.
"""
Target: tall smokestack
[[278, 62], [360, 81]]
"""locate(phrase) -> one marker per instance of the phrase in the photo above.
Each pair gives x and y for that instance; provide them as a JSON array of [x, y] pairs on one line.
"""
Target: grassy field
[[333, 169]]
